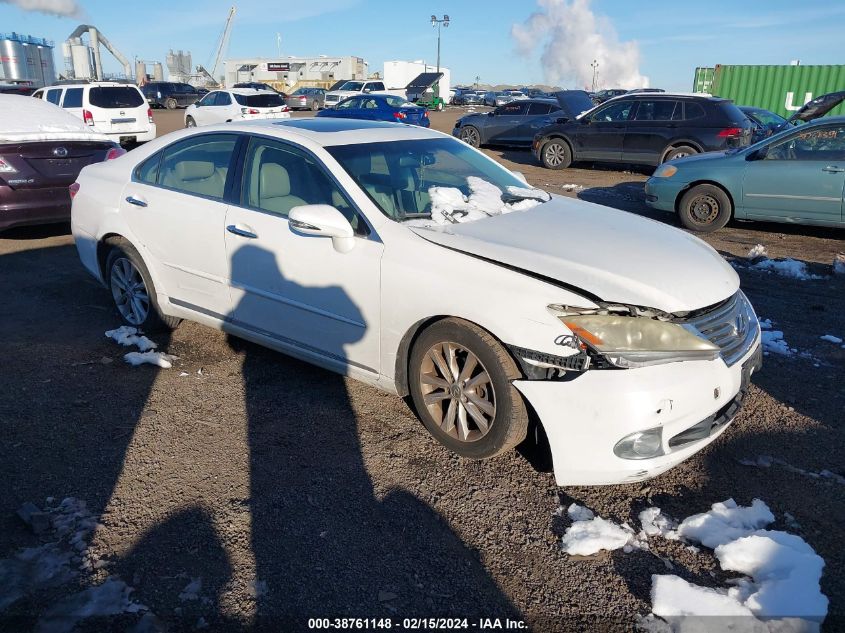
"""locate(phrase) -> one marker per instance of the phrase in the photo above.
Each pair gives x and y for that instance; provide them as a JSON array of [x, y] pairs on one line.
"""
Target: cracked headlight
[[637, 342]]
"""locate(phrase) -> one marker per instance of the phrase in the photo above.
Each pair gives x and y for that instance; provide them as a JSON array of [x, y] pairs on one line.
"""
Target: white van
[[118, 110]]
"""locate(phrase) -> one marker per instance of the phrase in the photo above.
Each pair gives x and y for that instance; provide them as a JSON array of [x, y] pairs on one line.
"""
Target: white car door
[[204, 112], [227, 110], [175, 206], [295, 289]]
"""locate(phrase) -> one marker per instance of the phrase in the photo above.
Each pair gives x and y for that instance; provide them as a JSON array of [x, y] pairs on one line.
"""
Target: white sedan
[[406, 259], [237, 104]]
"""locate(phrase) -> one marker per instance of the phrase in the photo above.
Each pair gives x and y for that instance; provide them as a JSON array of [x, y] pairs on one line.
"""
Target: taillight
[[729, 132], [115, 152], [286, 109], [399, 115], [253, 111], [87, 117], [150, 115], [425, 114], [74, 189]]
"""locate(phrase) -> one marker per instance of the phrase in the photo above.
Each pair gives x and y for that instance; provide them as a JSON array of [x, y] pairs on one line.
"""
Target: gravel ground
[[294, 493]]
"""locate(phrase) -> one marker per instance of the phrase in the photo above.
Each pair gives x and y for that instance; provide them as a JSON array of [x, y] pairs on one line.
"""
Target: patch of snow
[[584, 538], [725, 522], [28, 119], [128, 336], [158, 359], [839, 264], [655, 523], [579, 513], [192, 590], [791, 268], [757, 251], [831, 339], [450, 206], [766, 324], [573, 188], [673, 597], [774, 343], [109, 598], [530, 192]]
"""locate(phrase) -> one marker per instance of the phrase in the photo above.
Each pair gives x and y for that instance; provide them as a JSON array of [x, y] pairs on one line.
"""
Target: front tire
[[705, 208], [189, 122], [555, 154], [460, 382], [471, 136], [132, 289]]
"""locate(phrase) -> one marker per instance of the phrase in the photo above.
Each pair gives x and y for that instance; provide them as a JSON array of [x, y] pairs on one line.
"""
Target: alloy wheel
[[129, 291], [470, 136], [554, 155], [457, 391]]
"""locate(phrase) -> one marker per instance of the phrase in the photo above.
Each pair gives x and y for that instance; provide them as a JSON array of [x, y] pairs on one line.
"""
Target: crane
[[223, 44]]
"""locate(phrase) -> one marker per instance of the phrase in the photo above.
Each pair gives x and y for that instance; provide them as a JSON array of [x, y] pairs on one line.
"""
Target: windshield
[[769, 119], [264, 100], [443, 180], [353, 85]]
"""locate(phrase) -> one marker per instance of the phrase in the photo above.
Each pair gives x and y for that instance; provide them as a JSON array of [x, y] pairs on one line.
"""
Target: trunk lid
[[49, 163], [614, 255], [818, 107]]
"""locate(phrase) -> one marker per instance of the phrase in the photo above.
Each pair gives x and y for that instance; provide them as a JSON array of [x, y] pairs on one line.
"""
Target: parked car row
[[237, 104]]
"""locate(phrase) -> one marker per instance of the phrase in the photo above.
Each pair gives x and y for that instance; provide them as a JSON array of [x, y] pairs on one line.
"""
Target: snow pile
[[128, 336], [831, 339], [839, 264], [757, 251], [590, 534], [450, 206], [655, 523], [28, 119], [791, 268], [781, 583], [572, 188], [773, 342]]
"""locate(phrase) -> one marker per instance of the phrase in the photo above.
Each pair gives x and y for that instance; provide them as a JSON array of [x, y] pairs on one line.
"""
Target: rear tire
[[314, 106], [132, 289], [460, 382], [555, 154], [705, 208], [170, 104], [679, 152]]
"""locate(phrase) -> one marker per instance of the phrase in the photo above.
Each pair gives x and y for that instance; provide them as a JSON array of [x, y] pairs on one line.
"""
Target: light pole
[[595, 66], [444, 21]]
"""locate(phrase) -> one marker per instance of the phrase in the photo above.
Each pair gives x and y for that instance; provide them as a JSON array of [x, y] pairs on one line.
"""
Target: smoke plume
[[571, 36], [60, 8]]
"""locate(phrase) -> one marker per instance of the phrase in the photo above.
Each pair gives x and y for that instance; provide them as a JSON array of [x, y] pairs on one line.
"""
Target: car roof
[[331, 131], [93, 84], [246, 91]]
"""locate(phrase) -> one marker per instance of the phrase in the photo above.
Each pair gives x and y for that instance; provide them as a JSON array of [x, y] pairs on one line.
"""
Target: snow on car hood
[[31, 119], [614, 255]]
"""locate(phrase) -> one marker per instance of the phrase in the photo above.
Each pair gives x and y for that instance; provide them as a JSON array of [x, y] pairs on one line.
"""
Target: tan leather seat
[[195, 176], [274, 190]]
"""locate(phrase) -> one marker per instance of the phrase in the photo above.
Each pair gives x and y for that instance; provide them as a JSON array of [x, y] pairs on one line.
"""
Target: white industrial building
[[291, 70], [398, 74]]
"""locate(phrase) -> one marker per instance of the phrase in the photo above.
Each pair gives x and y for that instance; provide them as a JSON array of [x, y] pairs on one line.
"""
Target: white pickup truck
[[355, 87]]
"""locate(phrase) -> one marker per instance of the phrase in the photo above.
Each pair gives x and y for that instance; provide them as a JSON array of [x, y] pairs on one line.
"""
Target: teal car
[[795, 176]]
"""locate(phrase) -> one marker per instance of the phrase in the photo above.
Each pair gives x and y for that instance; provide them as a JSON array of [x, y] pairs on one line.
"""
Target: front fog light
[[640, 445]]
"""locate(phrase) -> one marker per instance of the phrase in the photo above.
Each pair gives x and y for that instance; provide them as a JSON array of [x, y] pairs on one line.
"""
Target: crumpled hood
[[614, 255]]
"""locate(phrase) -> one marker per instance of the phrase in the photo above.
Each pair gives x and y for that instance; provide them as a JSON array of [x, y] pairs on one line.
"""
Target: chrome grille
[[731, 325]]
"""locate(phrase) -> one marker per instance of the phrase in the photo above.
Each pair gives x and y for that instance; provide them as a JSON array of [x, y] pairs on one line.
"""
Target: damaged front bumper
[[691, 403]]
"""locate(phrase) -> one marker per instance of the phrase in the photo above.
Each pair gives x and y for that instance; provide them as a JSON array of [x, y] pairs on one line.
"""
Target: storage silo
[[82, 67], [14, 59], [140, 73], [158, 72], [48, 68]]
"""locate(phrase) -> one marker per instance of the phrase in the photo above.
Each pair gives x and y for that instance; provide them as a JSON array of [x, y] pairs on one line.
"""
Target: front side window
[[208, 99], [613, 113], [279, 177], [398, 175], [115, 97], [73, 98], [53, 96], [198, 165], [821, 144]]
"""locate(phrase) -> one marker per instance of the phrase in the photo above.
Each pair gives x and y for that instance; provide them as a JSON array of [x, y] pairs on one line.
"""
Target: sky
[[658, 42]]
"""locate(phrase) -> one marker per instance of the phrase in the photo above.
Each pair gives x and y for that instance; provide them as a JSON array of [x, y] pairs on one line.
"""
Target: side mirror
[[323, 220]]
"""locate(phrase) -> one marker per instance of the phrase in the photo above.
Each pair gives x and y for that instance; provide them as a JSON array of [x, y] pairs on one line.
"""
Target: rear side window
[[656, 110], [693, 110], [54, 95], [148, 170], [376, 86], [73, 98], [266, 100], [115, 97], [223, 99], [198, 165], [539, 108], [512, 109]]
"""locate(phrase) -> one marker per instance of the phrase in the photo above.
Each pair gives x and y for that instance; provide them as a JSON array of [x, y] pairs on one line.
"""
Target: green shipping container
[[781, 89], [703, 81]]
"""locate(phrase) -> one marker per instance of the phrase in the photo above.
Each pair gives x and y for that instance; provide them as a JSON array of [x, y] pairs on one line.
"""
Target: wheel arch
[[103, 247], [678, 143]]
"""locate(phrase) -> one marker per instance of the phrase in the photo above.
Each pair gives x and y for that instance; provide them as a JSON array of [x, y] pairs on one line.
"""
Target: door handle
[[833, 169], [233, 228], [136, 201]]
